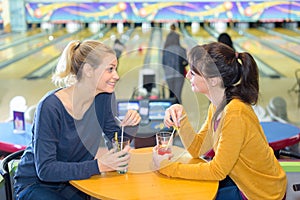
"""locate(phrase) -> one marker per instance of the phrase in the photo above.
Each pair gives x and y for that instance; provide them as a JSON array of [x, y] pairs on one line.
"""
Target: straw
[[117, 118], [174, 129], [122, 134], [169, 142], [181, 117]]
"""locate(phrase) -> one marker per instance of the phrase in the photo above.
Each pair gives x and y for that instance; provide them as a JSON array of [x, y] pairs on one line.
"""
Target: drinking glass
[[118, 145], [164, 142]]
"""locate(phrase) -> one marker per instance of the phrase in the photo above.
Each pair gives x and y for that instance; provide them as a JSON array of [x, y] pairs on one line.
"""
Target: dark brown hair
[[238, 71]]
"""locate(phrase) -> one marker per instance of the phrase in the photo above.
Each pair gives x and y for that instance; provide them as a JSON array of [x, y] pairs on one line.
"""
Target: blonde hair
[[69, 68]]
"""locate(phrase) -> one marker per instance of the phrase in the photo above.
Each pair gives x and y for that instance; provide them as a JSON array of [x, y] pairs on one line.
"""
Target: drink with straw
[[119, 143], [164, 141]]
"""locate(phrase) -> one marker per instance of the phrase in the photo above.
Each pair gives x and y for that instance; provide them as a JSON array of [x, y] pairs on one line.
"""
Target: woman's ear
[[215, 81], [87, 70]]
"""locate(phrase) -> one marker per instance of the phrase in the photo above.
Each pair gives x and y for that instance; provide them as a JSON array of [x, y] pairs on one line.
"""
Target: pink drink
[[164, 143], [163, 151]]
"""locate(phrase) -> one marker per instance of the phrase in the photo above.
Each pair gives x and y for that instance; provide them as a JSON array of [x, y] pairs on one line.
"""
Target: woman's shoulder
[[102, 97], [50, 98], [238, 108], [238, 105]]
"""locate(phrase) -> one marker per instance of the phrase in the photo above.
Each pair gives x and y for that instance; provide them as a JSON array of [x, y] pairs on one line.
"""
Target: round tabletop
[[142, 182]]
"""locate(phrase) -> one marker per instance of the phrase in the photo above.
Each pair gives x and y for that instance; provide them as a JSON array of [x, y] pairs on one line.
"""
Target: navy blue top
[[63, 148]]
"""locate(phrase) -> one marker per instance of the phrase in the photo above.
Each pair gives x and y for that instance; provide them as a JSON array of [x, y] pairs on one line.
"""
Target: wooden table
[[142, 182]]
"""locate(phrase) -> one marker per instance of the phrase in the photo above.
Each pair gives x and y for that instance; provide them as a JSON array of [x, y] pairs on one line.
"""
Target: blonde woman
[[70, 125]]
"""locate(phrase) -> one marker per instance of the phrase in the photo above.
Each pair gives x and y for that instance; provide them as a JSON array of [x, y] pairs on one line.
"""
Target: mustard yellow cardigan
[[241, 151]]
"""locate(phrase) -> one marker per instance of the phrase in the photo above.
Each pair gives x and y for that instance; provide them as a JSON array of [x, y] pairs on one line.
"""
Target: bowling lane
[[10, 38], [204, 37], [287, 32], [284, 65], [136, 48], [131, 61], [233, 34], [201, 36], [289, 46], [110, 37], [30, 44], [30, 63]]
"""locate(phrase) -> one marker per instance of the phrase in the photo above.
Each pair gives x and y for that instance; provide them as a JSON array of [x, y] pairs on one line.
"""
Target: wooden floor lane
[[201, 36], [285, 39], [288, 32], [131, 61], [283, 64], [291, 46], [30, 63], [10, 38], [28, 45]]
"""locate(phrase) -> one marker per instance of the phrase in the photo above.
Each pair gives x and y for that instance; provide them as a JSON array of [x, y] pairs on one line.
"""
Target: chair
[[7, 173], [277, 109], [291, 167]]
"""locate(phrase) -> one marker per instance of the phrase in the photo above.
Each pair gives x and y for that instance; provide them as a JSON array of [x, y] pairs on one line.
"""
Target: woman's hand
[[111, 160], [132, 118], [173, 115]]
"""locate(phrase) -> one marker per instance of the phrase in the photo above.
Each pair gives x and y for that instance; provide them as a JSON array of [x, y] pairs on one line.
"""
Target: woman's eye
[[111, 69], [192, 73]]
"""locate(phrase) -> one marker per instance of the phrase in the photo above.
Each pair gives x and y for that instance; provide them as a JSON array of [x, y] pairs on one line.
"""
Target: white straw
[[171, 138], [118, 119], [181, 118], [122, 134], [174, 129]]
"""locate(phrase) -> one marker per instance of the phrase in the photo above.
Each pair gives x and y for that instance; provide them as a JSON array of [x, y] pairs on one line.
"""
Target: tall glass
[[164, 142], [118, 145]]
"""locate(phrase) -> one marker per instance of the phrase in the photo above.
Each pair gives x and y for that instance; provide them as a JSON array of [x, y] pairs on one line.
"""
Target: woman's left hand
[[132, 118]]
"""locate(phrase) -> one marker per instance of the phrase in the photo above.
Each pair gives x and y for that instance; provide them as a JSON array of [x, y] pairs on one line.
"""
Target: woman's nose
[[116, 76], [188, 74]]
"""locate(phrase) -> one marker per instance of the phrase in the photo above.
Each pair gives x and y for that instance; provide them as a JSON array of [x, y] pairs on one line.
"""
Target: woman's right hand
[[173, 115], [111, 160]]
